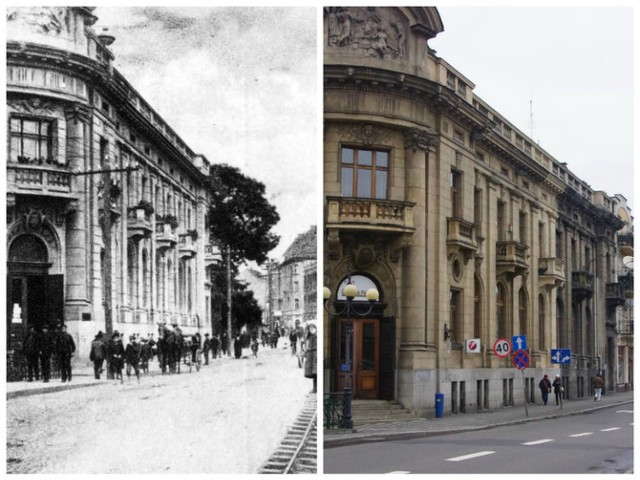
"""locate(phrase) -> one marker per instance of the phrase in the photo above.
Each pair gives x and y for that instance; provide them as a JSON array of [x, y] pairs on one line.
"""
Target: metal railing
[[333, 417]]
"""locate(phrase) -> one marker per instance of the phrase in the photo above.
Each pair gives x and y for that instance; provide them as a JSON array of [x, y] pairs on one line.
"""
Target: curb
[[51, 389], [381, 437]]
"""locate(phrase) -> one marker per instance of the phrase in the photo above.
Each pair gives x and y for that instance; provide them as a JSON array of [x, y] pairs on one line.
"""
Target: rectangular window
[[457, 334], [364, 173], [31, 140], [456, 193]]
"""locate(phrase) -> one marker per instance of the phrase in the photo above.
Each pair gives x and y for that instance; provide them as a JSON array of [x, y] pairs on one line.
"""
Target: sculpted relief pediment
[[379, 33], [47, 20]]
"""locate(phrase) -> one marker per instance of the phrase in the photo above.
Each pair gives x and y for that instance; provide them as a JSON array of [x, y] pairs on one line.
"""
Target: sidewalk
[[421, 427]]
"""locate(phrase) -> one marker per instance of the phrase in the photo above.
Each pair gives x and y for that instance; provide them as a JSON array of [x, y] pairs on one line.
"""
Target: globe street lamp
[[350, 291]]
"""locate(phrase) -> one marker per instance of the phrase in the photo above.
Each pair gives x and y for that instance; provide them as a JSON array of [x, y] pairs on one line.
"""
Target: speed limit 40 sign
[[502, 347]]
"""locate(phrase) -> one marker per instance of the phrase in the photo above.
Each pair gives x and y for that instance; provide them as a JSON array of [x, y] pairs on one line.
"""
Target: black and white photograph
[[161, 254]]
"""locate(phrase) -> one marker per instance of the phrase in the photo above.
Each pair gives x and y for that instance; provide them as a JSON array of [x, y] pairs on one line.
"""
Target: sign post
[[521, 361]]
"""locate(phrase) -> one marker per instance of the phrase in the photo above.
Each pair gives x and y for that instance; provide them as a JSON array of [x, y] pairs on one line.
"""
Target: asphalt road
[[600, 442]]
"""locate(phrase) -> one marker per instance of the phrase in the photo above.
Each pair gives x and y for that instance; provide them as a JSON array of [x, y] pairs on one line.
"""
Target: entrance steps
[[365, 412]]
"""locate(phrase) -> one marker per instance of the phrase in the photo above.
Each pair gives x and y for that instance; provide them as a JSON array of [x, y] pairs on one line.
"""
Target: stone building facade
[[76, 125], [464, 225]]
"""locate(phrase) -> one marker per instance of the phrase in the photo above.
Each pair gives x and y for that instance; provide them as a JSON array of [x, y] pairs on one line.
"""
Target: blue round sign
[[521, 359]]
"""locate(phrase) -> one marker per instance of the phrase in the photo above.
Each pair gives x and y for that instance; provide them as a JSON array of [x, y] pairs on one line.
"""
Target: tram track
[[298, 451]]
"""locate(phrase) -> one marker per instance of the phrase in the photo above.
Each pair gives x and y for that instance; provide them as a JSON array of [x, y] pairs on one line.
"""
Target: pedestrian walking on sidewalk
[[310, 360], [98, 354], [206, 347], [545, 388], [145, 355], [30, 352], [45, 350], [558, 389], [132, 357], [65, 348], [254, 346], [115, 351], [598, 384], [237, 347]]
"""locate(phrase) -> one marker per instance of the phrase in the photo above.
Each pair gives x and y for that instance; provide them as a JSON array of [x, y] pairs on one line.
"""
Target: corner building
[[75, 124], [452, 213]]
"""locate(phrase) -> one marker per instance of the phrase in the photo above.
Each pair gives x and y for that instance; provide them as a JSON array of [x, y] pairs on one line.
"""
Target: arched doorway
[[371, 338], [34, 297]]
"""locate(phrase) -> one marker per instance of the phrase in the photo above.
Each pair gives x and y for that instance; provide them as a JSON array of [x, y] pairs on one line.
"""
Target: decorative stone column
[[77, 240]]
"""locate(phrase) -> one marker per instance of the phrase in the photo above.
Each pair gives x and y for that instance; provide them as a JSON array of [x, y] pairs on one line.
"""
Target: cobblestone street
[[227, 418]]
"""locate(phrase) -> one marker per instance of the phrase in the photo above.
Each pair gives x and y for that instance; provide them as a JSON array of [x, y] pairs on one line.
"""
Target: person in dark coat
[[153, 346], [237, 347], [224, 343], [310, 360], [545, 388], [65, 348], [254, 346], [30, 352], [206, 347], [115, 350], [45, 342], [98, 354], [132, 357], [558, 389], [145, 355], [195, 346]]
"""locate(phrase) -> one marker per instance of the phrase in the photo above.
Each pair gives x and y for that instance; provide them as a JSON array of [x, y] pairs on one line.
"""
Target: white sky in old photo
[[237, 85], [572, 67]]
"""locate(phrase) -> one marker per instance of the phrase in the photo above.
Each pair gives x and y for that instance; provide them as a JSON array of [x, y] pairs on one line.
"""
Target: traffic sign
[[472, 345], [502, 347], [521, 359], [519, 342], [345, 367], [561, 355]]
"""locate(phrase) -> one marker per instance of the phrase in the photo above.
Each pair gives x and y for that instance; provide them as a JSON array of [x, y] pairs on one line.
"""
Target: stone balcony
[[461, 237], [551, 272], [139, 223], [187, 246], [165, 236], [511, 258], [581, 285], [370, 214], [615, 294], [391, 220], [45, 180], [212, 255], [625, 245]]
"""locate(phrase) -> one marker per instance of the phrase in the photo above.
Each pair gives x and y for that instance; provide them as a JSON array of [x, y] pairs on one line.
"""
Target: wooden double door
[[372, 352]]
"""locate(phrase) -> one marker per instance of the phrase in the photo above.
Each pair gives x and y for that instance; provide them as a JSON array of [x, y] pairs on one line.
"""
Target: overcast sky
[[238, 85], [575, 65]]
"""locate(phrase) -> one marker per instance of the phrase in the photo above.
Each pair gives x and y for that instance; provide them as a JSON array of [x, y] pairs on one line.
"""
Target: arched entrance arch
[[35, 296], [371, 339]]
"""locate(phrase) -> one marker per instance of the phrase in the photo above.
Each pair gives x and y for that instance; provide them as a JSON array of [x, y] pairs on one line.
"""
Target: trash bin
[[439, 405]]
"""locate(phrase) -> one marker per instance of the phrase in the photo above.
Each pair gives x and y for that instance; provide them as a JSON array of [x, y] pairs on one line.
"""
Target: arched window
[[523, 311], [477, 309], [501, 311], [145, 280], [542, 319], [28, 249]]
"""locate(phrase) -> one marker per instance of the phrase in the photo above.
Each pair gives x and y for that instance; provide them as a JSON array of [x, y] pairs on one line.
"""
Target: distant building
[[75, 126]]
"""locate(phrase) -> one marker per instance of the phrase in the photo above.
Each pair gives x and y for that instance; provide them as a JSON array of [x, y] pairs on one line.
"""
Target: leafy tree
[[240, 216], [240, 221]]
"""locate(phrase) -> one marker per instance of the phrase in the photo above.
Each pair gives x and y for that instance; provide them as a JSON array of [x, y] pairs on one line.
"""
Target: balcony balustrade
[[550, 271], [615, 294], [187, 246], [165, 235], [139, 223], [581, 285], [625, 245], [41, 180], [370, 214], [461, 237], [212, 255], [511, 257]]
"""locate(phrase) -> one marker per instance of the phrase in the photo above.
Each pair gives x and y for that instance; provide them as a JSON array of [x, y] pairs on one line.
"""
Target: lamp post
[[350, 291]]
